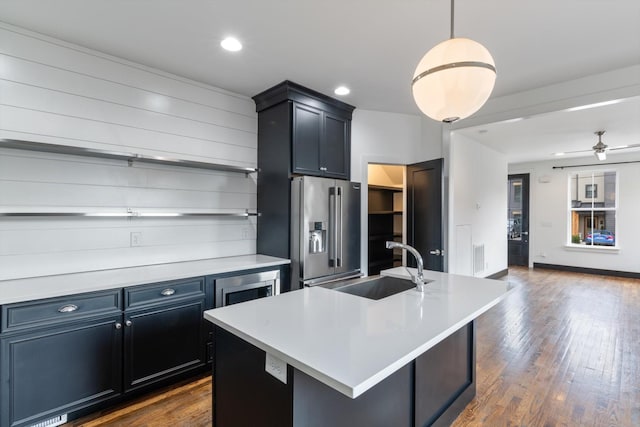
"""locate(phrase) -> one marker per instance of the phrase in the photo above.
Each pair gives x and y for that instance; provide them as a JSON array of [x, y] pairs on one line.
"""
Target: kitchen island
[[319, 357]]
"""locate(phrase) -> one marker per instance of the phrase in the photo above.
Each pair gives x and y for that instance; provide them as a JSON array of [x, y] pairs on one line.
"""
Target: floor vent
[[51, 422], [478, 259]]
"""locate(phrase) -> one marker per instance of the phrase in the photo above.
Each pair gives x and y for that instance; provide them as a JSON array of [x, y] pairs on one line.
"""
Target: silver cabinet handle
[[323, 168], [118, 325], [69, 308], [167, 292], [128, 323], [435, 252]]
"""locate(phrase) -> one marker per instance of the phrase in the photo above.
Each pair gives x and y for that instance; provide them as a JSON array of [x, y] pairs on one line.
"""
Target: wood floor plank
[[563, 349]]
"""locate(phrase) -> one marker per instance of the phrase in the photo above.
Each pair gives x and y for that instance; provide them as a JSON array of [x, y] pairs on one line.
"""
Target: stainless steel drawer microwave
[[236, 289]]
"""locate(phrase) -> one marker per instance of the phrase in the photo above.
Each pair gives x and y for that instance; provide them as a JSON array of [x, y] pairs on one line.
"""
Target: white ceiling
[[372, 46], [539, 137]]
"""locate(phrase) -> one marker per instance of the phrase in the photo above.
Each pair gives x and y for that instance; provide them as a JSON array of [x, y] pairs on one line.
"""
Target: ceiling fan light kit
[[454, 79], [600, 148]]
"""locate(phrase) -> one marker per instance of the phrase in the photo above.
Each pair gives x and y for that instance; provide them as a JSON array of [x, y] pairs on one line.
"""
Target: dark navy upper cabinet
[[300, 132], [307, 135], [337, 146], [312, 132]]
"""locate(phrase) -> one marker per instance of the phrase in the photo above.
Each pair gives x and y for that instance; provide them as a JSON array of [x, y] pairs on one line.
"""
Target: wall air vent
[[51, 422], [478, 259]]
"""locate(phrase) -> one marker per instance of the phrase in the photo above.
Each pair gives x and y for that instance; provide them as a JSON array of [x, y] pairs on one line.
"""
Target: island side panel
[[243, 393], [388, 403], [445, 379]]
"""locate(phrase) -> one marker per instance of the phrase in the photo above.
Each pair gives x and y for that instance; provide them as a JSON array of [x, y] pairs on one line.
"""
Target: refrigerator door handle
[[332, 226], [339, 228]]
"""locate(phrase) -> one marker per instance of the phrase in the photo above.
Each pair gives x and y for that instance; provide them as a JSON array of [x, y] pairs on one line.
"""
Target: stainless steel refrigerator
[[325, 230]]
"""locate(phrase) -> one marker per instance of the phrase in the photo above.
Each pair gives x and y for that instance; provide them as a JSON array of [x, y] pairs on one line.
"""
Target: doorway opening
[[385, 215], [518, 219]]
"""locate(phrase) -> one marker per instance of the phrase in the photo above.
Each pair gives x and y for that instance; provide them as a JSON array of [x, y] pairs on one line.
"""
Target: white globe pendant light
[[454, 79]]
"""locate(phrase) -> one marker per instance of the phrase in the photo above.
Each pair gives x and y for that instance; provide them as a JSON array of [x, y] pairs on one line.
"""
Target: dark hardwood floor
[[563, 349], [185, 404]]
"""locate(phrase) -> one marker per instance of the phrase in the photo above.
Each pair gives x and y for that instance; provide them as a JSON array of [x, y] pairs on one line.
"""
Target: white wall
[[615, 84], [378, 137], [549, 219], [477, 206], [51, 91]]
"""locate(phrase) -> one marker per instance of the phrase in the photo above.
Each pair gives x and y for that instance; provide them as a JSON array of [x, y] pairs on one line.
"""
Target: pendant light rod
[[452, 13]]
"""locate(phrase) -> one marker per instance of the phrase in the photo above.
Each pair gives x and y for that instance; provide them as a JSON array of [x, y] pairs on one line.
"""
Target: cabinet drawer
[[161, 293], [61, 309]]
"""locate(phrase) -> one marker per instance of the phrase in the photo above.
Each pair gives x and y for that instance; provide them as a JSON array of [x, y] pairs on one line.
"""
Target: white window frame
[[592, 209]]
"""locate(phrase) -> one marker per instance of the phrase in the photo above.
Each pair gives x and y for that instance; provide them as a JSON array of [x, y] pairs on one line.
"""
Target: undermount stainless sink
[[377, 287]]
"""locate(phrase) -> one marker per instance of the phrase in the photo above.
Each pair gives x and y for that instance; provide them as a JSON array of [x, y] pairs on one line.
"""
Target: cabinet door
[[162, 342], [50, 372], [306, 140], [445, 378], [335, 153]]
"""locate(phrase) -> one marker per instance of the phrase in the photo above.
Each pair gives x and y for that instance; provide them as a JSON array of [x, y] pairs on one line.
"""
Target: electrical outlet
[[245, 233], [275, 367], [136, 238]]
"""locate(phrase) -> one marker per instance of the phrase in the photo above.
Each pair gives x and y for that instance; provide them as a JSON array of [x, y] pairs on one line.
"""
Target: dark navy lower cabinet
[[75, 354], [48, 372], [163, 341], [71, 355], [431, 390]]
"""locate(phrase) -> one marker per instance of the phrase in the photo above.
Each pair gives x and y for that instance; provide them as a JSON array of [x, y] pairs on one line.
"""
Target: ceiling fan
[[601, 149]]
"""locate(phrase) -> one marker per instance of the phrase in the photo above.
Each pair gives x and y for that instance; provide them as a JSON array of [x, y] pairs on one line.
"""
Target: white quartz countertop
[[67, 284], [351, 343]]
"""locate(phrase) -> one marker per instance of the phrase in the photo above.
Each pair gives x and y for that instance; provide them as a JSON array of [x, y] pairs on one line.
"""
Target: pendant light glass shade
[[454, 79]]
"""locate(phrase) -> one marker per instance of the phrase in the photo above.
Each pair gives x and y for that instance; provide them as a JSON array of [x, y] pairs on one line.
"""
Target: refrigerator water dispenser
[[317, 237]]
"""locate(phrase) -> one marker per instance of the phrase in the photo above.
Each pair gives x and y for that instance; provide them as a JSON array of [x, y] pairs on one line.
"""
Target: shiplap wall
[[55, 92]]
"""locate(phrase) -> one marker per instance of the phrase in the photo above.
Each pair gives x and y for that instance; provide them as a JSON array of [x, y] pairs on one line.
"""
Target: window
[[517, 192], [593, 218]]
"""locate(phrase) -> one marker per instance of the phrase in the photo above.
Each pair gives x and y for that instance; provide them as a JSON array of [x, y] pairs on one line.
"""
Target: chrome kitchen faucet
[[419, 278]]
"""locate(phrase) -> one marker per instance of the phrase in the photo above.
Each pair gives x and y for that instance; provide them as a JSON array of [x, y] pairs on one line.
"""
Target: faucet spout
[[418, 279]]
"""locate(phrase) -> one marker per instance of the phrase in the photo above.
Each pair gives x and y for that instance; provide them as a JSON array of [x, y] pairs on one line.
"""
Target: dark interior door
[[424, 213], [518, 219]]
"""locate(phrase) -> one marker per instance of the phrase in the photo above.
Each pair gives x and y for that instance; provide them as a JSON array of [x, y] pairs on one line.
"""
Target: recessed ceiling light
[[342, 90], [481, 131], [558, 154], [231, 44]]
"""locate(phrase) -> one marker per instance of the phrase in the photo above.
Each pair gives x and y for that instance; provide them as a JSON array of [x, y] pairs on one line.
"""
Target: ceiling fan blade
[[578, 151], [625, 147]]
